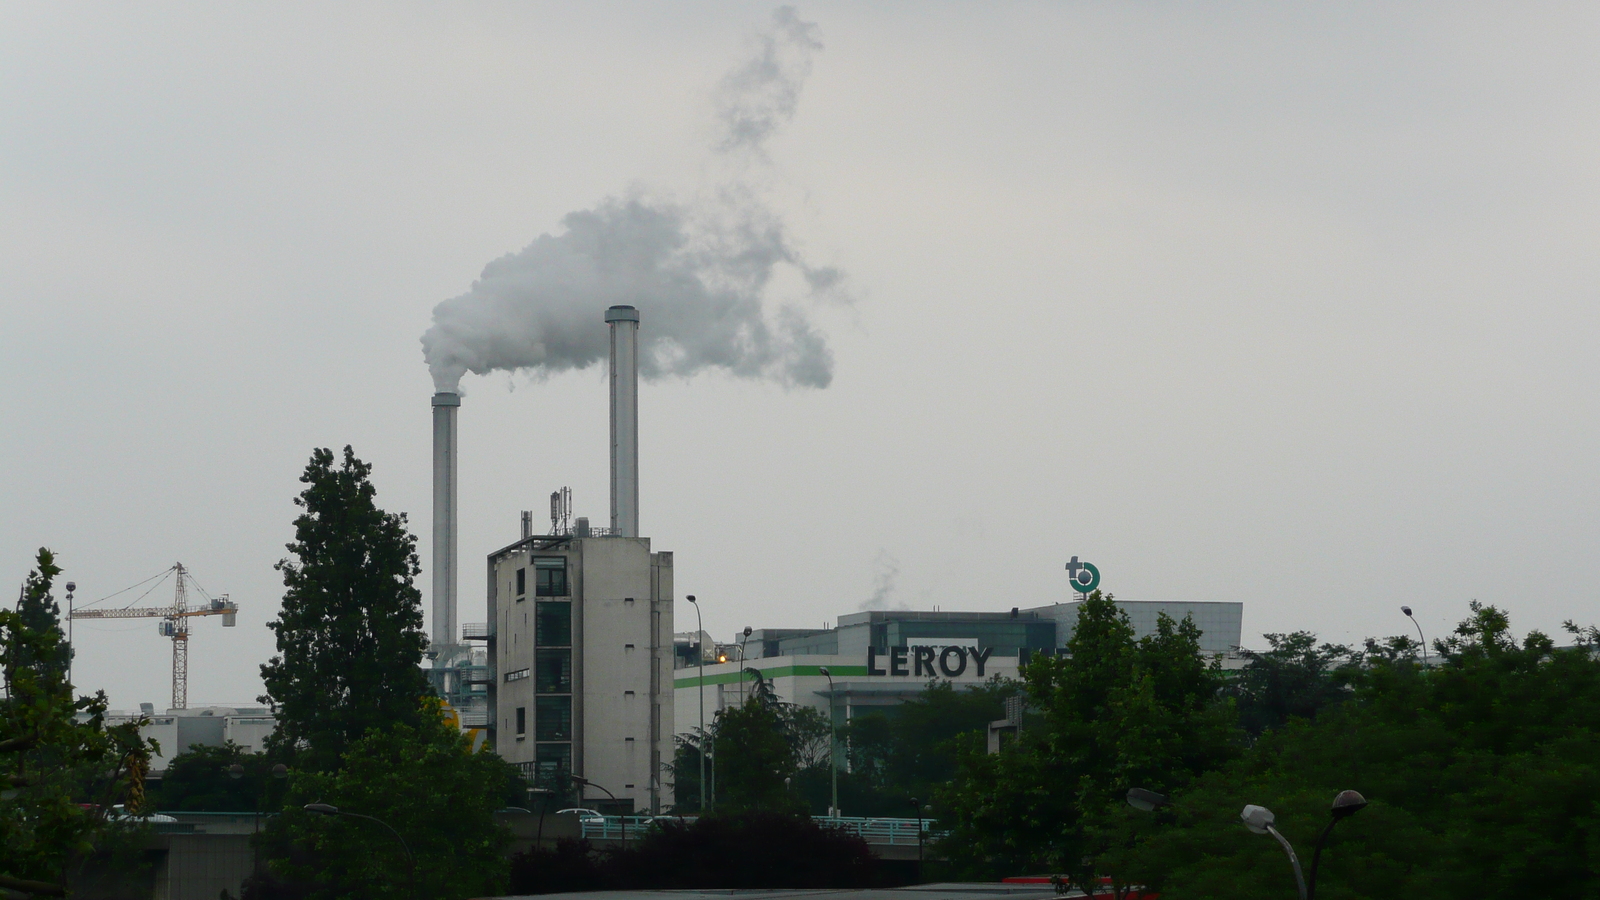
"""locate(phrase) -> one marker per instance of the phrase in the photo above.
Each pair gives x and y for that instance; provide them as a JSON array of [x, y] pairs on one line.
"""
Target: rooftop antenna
[[561, 511]]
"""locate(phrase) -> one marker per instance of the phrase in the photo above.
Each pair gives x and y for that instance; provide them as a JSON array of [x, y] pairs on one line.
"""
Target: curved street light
[[1345, 805], [700, 651], [833, 762], [544, 794], [747, 632], [1407, 611], [1259, 819], [584, 782], [328, 809], [1148, 801]]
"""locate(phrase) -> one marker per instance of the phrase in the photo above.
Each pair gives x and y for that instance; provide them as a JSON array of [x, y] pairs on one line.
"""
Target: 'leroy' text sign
[[919, 662]]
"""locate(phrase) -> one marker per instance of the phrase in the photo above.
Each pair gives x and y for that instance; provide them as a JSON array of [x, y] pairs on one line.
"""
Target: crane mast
[[180, 646]]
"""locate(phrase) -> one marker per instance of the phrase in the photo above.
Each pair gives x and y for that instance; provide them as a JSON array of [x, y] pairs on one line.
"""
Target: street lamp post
[[1259, 819], [1345, 805], [327, 809], [71, 650], [742, 640], [584, 782], [1407, 611], [236, 772], [700, 651], [833, 744], [544, 795], [917, 805]]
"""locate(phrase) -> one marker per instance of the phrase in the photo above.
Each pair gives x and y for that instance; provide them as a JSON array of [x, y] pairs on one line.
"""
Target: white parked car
[[120, 813], [586, 816]]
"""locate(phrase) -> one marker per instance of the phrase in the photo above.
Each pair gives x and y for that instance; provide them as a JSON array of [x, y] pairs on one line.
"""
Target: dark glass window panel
[[552, 624], [522, 582], [552, 718], [553, 671], [553, 767], [522, 720], [550, 577]]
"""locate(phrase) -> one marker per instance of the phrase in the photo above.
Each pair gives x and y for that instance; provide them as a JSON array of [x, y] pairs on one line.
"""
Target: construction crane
[[174, 622]]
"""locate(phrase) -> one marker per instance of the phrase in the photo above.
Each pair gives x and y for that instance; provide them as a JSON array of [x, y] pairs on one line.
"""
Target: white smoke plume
[[699, 272]]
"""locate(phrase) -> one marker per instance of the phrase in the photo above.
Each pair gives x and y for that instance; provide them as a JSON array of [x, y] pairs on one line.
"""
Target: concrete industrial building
[[880, 659], [579, 636], [177, 730]]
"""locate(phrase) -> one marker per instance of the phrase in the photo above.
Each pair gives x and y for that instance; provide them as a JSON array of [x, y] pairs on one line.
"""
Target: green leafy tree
[[1113, 713], [39, 614], [685, 771], [60, 766], [1295, 678], [424, 782], [754, 754], [357, 721], [202, 780], [1483, 778], [350, 638], [766, 752], [910, 749]]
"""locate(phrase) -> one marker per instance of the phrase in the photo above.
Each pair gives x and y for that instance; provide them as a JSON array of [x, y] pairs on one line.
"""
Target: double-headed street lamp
[[1259, 819], [833, 743]]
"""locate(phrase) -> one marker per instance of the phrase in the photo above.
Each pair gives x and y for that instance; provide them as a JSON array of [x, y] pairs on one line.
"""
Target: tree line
[[1481, 771]]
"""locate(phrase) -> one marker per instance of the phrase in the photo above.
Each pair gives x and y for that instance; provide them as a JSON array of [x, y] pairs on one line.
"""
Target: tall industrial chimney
[[445, 406], [624, 321]]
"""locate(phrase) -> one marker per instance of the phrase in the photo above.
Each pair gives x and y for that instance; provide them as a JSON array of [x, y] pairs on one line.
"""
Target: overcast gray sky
[[1291, 304]]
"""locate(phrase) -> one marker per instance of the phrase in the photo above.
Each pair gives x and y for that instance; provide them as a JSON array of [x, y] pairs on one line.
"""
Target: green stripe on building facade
[[775, 672]]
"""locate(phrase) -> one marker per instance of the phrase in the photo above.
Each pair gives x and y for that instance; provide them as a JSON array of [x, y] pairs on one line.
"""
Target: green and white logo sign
[[1084, 576]]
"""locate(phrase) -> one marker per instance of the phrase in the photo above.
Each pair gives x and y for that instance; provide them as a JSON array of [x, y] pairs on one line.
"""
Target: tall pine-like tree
[[38, 613], [60, 766], [350, 638]]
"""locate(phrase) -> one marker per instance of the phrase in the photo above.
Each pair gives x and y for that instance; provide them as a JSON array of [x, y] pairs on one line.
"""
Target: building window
[[552, 718], [553, 767], [550, 576], [522, 720], [554, 669], [522, 582], [518, 675], [553, 625]]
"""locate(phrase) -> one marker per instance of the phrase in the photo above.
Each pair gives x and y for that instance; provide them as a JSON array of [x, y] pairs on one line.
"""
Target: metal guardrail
[[882, 831], [611, 827], [474, 631], [899, 832]]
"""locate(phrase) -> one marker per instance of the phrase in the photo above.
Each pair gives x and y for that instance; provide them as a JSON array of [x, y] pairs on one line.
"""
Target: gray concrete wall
[[202, 866]]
